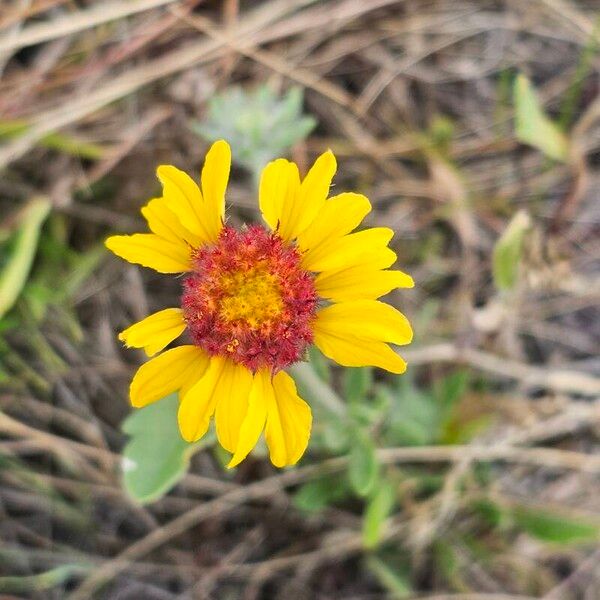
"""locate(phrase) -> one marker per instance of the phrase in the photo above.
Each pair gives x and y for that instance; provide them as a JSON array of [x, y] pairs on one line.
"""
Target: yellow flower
[[253, 300]]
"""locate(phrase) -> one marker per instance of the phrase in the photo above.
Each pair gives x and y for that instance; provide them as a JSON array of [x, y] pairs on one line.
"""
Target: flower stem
[[318, 389]]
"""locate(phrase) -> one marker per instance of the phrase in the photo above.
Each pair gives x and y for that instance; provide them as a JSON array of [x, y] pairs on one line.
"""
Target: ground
[[473, 476]]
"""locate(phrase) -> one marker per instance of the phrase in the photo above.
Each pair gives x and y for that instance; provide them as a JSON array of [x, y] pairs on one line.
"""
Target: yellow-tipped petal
[[288, 424], [215, 176], [171, 371], [311, 196], [150, 250], [279, 185], [232, 404], [355, 352], [365, 319], [338, 216], [368, 247], [199, 402], [185, 200], [358, 283], [163, 222], [154, 332], [261, 396]]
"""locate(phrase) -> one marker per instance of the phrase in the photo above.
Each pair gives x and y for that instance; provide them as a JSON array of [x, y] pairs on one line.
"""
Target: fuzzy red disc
[[249, 299]]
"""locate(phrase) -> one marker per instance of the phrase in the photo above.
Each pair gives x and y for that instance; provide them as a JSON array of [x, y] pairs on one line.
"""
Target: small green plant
[[260, 124], [35, 254], [381, 415], [15, 268], [507, 255], [533, 126], [156, 456]]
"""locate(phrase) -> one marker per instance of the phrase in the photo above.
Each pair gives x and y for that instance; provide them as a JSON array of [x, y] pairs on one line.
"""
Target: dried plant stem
[[558, 380], [76, 22], [547, 457]]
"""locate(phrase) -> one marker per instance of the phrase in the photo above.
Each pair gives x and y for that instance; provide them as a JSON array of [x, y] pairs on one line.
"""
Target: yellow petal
[[163, 222], [215, 175], [199, 402], [185, 200], [311, 196], [338, 216], [232, 404], [173, 370], [150, 250], [261, 396], [365, 319], [279, 185], [354, 352], [288, 424], [154, 332], [362, 282], [368, 247]]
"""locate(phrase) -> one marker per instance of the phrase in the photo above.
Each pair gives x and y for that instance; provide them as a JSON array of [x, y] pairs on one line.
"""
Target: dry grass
[[379, 75]]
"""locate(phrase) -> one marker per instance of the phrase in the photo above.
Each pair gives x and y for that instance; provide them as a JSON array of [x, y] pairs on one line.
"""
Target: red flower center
[[249, 299]]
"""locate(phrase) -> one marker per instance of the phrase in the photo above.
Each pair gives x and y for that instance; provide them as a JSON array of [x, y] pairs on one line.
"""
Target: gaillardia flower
[[254, 299]]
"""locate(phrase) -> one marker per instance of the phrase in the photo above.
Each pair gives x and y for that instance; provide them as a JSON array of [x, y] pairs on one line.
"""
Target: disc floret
[[248, 299]]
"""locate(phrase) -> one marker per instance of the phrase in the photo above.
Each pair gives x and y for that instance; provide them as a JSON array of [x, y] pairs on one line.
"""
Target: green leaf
[[35, 584], [335, 433], [507, 253], [440, 133], [259, 123], [362, 467], [533, 127], [585, 66], [320, 493], [370, 411], [413, 418], [319, 363], [12, 129], [450, 389], [391, 579], [489, 511], [357, 383], [553, 527], [16, 270], [447, 562], [461, 431], [377, 511], [156, 456]]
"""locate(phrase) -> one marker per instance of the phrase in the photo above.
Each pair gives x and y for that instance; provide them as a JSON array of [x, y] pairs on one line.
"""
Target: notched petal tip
[[360, 204], [399, 368], [162, 171], [385, 233], [409, 333], [173, 370]]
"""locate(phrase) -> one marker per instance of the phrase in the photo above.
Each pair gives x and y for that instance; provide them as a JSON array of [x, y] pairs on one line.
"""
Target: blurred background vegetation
[[474, 128]]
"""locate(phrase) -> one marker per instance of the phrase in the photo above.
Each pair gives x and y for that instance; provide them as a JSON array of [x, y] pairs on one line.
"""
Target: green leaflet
[[16, 269], [532, 125], [507, 253], [156, 456]]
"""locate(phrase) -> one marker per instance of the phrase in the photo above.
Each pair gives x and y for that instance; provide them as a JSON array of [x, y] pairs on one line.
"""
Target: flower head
[[248, 298], [254, 299]]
